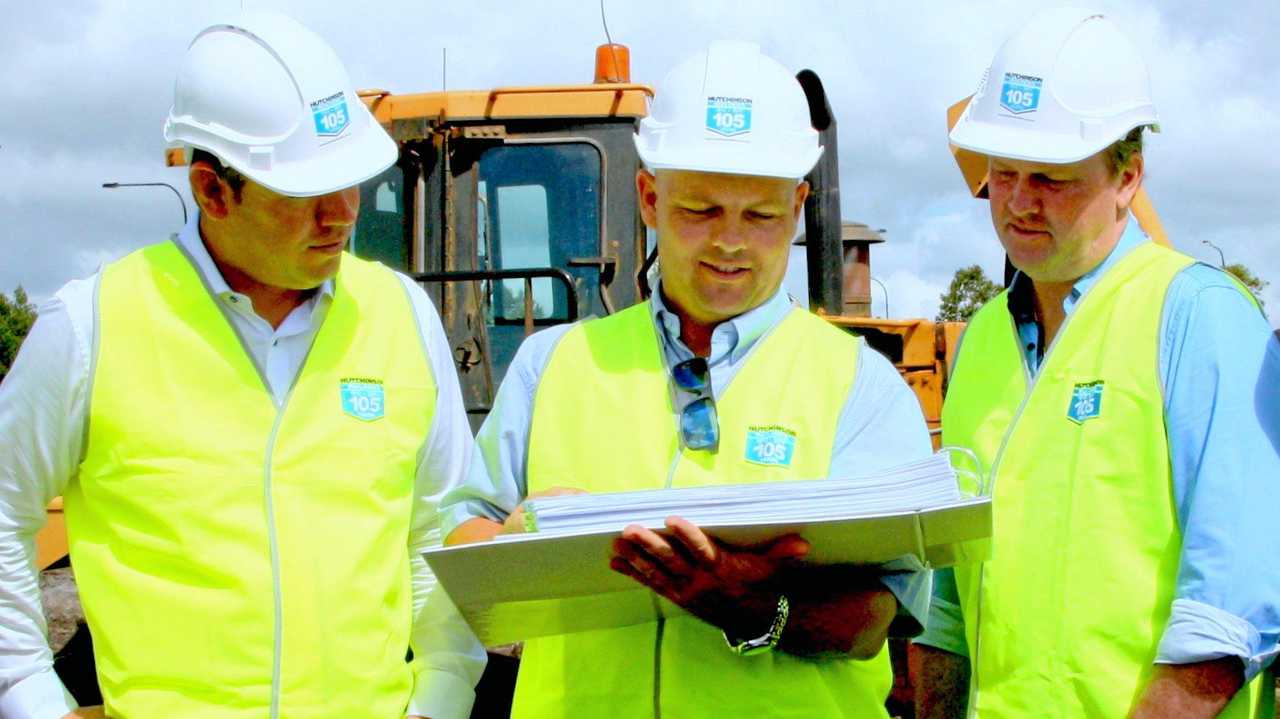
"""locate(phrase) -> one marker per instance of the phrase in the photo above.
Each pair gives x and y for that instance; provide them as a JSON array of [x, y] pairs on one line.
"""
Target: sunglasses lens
[[691, 375], [698, 424]]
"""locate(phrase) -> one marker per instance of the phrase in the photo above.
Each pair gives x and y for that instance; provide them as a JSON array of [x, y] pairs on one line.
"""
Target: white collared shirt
[[43, 406]]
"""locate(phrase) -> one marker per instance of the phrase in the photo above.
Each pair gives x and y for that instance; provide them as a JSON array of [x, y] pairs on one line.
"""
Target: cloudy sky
[[86, 86]]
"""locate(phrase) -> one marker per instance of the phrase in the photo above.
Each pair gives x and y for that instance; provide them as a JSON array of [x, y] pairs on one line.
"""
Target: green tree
[[16, 317], [969, 289], [513, 301], [1255, 284]]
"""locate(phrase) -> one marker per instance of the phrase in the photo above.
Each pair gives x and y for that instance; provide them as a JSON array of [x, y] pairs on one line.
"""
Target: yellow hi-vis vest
[[239, 559], [1065, 618], [603, 421]]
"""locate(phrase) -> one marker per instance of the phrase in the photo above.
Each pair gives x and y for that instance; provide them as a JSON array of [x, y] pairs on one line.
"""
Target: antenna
[[444, 69], [612, 51]]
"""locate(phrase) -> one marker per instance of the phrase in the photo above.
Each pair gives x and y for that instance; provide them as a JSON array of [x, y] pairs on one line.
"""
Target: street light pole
[[886, 296], [114, 185], [1222, 261]]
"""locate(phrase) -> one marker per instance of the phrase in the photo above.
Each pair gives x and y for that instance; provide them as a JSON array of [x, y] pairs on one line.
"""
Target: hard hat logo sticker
[[1020, 93], [1086, 402], [363, 398], [729, 116], [330, 115]]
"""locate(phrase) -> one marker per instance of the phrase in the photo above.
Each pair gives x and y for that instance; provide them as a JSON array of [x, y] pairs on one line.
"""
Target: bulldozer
[[515, 208]]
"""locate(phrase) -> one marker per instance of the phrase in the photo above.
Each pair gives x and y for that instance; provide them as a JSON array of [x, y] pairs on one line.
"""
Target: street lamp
[[886, 296], [114, 185], [1222, 261]]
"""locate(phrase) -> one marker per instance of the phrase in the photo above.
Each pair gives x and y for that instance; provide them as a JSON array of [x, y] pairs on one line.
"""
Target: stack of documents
[[555, 579], [920, 485]]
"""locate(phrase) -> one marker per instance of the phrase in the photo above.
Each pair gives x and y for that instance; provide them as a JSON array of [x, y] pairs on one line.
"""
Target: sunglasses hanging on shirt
[[699, 425]]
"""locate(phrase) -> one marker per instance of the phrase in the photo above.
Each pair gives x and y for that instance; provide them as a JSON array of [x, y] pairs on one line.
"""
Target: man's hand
[[96, 712], [836, 611], [515, 521], [480, 529], [722, 585]]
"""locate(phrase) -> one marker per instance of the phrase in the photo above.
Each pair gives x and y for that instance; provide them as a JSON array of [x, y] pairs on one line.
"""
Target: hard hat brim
[[346, 162], [1015, 143], [733, 159]]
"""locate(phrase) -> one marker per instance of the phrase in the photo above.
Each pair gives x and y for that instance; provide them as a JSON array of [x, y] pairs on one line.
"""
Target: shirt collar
[[1022, 302], [193, 245], [732, 338]]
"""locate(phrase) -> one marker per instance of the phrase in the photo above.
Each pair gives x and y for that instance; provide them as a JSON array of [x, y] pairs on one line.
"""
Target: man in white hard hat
[[250, 429], [691, 388], [1125, 400]]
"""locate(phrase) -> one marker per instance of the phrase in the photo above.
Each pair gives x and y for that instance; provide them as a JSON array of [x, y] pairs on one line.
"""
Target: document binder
[[553, 581]]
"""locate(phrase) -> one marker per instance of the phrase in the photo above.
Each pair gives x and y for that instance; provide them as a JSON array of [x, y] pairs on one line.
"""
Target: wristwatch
[[765, 642]]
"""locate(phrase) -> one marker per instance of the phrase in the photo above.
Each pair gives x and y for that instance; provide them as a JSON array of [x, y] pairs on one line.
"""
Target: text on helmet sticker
[[1020, 93], [330, 115], [729, 116]]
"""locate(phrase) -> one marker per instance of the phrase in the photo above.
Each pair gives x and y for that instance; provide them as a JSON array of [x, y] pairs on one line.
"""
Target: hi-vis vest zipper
[[603, 421], [1065, 617], [236, 558]]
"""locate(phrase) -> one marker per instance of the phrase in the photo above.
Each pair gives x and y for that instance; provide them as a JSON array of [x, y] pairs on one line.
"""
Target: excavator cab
[[515, 208]]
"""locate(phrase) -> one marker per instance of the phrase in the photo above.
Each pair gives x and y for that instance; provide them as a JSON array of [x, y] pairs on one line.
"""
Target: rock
[[61, 605]]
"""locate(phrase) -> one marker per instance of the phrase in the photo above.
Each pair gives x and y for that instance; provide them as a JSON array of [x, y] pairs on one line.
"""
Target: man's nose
[[1023, 198], [729, 235], [339, 209]]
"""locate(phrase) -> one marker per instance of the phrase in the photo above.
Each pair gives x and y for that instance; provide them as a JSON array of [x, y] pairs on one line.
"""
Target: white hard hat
[[271, 99], [1066, 86], [730, 110]]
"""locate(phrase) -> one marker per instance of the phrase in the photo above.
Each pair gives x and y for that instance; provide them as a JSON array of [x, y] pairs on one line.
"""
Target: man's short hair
[[228, 174], [1122, 151]]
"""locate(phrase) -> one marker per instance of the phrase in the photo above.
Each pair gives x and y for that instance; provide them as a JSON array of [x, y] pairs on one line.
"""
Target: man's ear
[[647, 194], [802, 194], [1130, 181], [211, 192]]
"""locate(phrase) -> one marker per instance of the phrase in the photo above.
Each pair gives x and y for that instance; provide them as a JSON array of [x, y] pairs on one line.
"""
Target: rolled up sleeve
[[1222, 402], [944, 628]]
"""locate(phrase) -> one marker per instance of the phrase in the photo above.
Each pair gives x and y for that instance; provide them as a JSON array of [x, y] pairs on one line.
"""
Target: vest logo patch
[[363, 398], [1086, 402], [770, 446]]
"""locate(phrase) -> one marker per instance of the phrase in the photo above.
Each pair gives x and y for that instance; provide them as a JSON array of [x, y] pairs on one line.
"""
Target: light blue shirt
[[1220, 369], [880, 426]]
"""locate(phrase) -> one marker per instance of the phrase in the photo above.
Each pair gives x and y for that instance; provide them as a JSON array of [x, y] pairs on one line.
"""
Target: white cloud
[[92, 81]]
